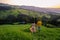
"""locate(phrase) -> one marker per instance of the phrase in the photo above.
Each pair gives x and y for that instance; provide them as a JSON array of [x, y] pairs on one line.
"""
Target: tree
[[11, 19]]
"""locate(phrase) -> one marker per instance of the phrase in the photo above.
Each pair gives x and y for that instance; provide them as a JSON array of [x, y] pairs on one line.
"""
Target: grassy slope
[[15, 12], [21, 32]]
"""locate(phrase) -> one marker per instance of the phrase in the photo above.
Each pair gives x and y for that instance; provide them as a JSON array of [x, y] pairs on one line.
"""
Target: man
[[39, 24]]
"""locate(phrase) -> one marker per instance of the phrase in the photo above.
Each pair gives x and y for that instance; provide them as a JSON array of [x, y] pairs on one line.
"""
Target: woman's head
[[33, 24]]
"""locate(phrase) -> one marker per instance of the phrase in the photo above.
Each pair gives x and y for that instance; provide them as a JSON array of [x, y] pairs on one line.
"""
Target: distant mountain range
[[45, 10], [38, 9]]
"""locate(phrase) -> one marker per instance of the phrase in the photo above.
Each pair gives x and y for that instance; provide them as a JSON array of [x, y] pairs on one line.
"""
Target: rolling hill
[[29, 13]]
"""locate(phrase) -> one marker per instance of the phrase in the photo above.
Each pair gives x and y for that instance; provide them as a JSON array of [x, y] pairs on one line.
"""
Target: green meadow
[[22, 32], [14, 24]]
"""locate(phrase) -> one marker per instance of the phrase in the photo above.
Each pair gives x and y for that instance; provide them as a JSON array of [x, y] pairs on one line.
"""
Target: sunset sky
[[37, 3]]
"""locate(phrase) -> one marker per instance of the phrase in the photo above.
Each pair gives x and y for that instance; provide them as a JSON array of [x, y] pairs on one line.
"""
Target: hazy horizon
[[36, 3]]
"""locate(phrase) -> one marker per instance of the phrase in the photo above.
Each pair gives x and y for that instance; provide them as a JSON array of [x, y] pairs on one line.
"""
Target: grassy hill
[[28, 15], [17, 31], [23, 11], [21, 32], [10, 14]]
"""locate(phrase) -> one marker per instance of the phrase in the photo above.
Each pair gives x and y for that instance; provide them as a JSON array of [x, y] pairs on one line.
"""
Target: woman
[[33, 28], [33, 31]]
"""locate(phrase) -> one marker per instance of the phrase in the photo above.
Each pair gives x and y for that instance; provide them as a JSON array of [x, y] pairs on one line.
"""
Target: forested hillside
[[11, 14]]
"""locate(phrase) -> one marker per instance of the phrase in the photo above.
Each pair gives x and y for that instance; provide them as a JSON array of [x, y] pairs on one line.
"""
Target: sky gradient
[[37, 3]]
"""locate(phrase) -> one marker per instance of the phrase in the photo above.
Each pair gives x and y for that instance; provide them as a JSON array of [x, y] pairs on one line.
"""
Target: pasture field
[[21, 32]]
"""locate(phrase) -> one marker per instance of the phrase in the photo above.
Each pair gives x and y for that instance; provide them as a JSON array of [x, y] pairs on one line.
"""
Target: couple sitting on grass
[[36, 27]]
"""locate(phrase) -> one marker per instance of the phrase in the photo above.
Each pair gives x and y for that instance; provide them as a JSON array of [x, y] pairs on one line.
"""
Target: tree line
[[21, 18]]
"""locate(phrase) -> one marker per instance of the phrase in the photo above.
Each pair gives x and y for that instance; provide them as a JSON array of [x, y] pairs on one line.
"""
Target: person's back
[[32, 28], [39, 23], [38, 26]]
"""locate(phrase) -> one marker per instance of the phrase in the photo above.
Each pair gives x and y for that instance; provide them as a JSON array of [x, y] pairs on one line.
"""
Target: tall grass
[[21, 32]]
